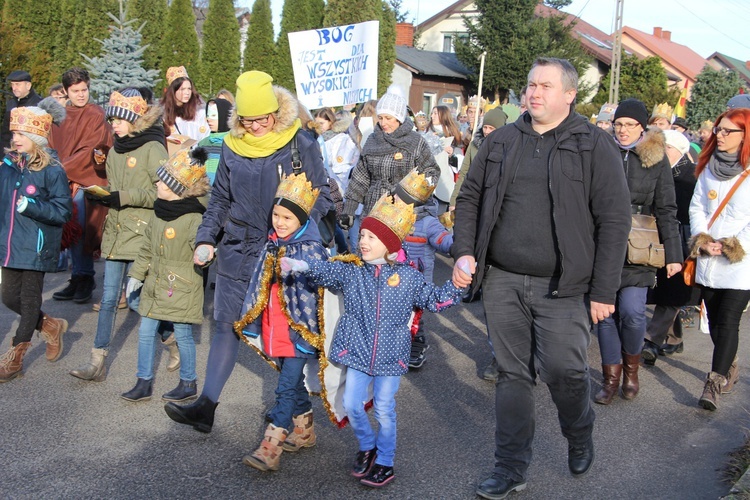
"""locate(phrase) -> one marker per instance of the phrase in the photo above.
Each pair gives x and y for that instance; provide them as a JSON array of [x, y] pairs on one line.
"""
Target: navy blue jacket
[[31, 239], [241, 203]]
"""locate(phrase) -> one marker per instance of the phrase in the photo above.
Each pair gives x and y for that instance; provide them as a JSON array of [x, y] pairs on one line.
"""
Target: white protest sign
[[336, 66]]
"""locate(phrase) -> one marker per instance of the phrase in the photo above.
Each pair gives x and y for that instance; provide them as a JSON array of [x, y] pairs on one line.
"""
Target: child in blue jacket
[[35, 202], [281, 320], [372, 338]]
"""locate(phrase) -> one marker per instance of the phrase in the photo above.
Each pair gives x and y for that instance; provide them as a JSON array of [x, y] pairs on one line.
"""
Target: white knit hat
[[677, 140], [393, 103]]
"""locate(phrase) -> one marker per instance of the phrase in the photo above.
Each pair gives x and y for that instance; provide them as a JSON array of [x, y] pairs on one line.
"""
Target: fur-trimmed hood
[[652, 148], [286, 115], [153, 116]]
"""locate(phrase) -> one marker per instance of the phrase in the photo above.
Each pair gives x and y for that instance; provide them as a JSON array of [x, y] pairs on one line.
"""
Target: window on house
[[448, 40], [428, 102]]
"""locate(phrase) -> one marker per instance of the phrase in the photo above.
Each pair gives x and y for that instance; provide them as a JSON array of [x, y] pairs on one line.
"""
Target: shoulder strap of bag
[[296, 161], [724, 202]]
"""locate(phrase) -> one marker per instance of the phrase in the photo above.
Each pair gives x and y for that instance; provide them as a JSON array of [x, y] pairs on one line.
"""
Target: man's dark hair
[[58, 87], [74, 76], [569, 73]]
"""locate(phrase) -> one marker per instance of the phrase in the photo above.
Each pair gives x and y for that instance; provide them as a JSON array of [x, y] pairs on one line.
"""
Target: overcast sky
[[706, 26]]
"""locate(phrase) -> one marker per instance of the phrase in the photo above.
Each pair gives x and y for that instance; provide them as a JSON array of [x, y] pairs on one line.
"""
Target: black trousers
[[724, 309], [22, 294]]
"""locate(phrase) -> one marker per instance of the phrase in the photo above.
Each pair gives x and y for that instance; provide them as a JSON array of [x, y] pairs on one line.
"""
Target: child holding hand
[[372, 338], [281, 320], [170, 284]]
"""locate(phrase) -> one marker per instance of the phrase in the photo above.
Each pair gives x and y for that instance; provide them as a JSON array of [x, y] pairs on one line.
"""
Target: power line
[[682, 6]]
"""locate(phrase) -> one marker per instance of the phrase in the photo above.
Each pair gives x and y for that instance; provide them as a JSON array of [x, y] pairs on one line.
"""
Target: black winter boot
[[85, 289], [199, 414], [69, 291], [185, 391], [141, 392]]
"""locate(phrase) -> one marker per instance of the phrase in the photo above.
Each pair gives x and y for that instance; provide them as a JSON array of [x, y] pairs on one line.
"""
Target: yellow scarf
[[250, 146]]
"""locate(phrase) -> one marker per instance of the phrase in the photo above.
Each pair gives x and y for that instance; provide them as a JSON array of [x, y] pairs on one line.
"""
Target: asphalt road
[[65, 438]]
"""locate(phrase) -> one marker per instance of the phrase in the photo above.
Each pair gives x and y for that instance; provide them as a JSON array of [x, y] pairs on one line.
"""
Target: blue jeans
[[292, 398], [535, 333], [625, 330], [183, 333], [384, 396], [83, 263], [115, 273]]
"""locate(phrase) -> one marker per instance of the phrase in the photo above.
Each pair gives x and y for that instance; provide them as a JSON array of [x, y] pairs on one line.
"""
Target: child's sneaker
[[418, 347], [363, 462], [380, 475]]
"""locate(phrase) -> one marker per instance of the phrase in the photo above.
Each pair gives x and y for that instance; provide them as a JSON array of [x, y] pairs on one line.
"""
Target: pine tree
[[260, 50], [220, 56], [121, 61], [181, 46], [386, 48], [709, 95], [65, 55], [91, 25], [643, 79], [152, 13], [27, 42], [343, 12], [297, 15]]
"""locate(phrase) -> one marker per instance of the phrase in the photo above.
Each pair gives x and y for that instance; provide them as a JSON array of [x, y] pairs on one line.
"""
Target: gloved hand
[[23, 202], [133, 286], [345, 221], [112, 200], [293, 265], [203, 255]]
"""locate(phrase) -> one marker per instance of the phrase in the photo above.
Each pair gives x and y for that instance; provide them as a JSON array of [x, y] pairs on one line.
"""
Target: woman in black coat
[[651, 193]]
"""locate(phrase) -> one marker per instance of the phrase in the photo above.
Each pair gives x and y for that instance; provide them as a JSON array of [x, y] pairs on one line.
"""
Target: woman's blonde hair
[[38, 158]]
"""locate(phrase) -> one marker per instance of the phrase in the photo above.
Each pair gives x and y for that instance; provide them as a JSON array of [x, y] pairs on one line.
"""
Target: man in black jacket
[[542, 223], [23, 95]]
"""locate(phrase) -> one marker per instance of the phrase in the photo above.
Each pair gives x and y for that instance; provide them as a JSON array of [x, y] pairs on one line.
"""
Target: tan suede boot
[[11, 363], [51, 331], [611, 384], [303, 434], [630, 365], [711, 391], [732, 377], [95, 369], [267, 456], [174, 353]]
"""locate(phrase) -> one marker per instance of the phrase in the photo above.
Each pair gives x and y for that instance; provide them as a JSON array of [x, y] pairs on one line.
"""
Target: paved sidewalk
[[65, 438]]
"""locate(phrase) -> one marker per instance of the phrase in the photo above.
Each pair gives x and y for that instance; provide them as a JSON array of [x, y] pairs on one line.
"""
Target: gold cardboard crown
[[491, 105], [184, 169], [298, 190], [417, 186], [397, 216], [136, 104], [24, 120], [662, 110], [708, 124], [176, 72], [476, 102]]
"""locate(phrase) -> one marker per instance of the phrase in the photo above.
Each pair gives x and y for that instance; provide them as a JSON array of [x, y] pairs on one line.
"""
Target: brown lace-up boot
[[11, 363], [51, 330]]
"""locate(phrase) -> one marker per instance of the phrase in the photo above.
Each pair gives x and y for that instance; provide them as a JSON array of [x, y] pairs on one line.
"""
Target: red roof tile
[[681, 57]]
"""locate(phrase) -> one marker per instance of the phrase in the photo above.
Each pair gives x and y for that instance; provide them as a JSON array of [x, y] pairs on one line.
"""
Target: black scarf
[[171, 210], [724, 166], [131, 143]]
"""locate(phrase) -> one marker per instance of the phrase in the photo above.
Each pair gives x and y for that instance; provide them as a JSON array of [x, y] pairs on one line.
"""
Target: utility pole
[[614, 81]]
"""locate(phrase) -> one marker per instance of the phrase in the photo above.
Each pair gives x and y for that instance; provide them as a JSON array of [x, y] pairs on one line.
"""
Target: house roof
[[429, 63], [681, 57], [737, 65], [594, 41], [444, 14]]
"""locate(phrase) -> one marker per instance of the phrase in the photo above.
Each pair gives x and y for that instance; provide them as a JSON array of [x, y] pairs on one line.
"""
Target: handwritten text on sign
[[336, 66]]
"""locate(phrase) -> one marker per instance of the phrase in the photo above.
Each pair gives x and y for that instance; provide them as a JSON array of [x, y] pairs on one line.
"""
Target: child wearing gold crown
[[282, 320], [372, 338], [36, 204], [171, 284]]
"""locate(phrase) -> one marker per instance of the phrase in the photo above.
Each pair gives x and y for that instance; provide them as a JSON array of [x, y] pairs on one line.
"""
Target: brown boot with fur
[[303, 434], [267, 456], [612, 375], [630, 364], [11, 363], [51, 330]]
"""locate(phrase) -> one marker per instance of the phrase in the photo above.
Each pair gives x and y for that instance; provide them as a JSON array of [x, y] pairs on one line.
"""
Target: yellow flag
[[679, 110]]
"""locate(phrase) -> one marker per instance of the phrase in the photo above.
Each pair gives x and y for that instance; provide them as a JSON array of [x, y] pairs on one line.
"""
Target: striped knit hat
[[127, 104]]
